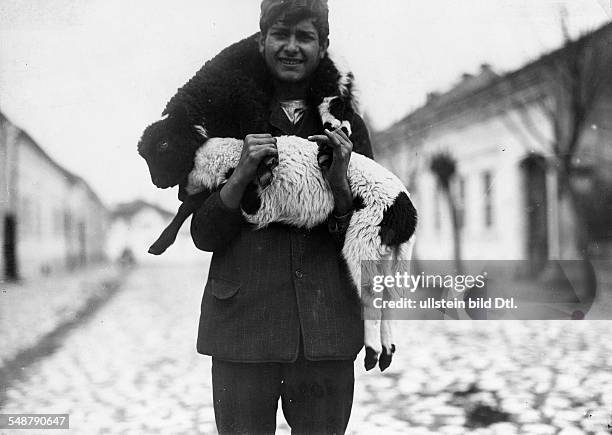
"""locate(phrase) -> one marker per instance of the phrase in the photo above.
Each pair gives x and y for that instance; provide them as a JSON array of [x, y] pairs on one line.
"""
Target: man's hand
[[256, 147], [336, 173], [341, 147]]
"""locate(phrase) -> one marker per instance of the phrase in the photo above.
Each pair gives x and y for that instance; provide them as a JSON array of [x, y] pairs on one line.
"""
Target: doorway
[[11, 271]]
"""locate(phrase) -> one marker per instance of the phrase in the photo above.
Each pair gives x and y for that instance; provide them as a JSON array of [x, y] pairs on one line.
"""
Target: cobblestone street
[[132, 368]]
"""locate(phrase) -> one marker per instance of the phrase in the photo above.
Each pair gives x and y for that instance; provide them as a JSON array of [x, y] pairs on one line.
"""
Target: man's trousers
[[316, 396]]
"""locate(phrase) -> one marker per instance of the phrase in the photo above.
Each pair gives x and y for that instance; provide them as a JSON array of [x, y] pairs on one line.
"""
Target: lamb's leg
[[364, 273], [399, 262], [168, 236], [371, 333], [388, 347], [392, 294]]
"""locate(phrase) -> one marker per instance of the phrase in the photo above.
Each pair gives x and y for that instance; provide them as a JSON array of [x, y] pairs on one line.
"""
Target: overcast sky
[[84, 77]]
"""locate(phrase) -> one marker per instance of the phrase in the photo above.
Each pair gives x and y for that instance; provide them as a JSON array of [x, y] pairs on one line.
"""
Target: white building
[[497, 129], [51, 219]]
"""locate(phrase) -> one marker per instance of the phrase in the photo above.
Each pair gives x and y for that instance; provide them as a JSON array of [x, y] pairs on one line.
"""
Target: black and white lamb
[[381, 229], [193, 146]]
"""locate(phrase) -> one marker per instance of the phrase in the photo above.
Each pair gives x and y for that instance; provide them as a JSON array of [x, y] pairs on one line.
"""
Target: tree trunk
[[583, 234], [455, 229], [578, 212]]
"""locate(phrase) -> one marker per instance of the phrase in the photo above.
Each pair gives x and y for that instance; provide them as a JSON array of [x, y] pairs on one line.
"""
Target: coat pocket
[[222, 288]]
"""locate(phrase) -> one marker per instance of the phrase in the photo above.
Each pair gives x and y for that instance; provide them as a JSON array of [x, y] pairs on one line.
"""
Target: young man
[[280, 316]]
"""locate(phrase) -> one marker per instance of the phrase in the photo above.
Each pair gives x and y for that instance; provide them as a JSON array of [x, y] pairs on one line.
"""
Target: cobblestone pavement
[[132, 368], [30, 310]]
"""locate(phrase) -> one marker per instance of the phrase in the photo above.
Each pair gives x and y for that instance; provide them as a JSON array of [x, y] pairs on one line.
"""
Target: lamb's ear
[[177, 118], [201, 130]]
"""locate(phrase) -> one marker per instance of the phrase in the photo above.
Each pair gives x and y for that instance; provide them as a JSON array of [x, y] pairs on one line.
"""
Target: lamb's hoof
[[371, 358], [159, 247], [386, 357]]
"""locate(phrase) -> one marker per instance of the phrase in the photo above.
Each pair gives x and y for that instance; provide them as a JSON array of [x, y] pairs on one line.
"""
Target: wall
[[60, 222], [495, 138]]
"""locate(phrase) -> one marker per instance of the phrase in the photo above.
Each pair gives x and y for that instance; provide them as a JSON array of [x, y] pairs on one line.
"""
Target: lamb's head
[[169, 146]]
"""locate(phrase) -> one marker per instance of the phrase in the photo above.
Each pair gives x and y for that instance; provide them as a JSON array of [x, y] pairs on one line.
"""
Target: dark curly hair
[[293, 11]]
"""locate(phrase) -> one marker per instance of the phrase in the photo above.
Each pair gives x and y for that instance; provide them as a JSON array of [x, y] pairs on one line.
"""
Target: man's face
[[292, 52]]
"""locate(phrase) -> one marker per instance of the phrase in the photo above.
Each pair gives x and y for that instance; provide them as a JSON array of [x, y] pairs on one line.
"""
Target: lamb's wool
[[300, 196]]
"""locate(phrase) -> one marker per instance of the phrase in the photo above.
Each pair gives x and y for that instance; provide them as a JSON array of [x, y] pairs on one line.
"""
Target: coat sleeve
[[214, 225], [360, 138]]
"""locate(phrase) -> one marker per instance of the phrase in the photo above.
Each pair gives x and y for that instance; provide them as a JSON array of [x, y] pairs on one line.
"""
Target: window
[[487, 186]]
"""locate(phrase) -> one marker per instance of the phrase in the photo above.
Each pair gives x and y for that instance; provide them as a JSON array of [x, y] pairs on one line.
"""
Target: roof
[[476, 91], [127, 210], [70, 176]]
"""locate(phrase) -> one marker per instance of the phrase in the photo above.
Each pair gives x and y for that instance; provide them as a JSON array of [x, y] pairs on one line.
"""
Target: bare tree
[[444, 166], [575, 79]]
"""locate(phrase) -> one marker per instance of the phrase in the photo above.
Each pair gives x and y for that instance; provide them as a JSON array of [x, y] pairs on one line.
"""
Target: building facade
[[137, 224], [501, 133], [51, 219]]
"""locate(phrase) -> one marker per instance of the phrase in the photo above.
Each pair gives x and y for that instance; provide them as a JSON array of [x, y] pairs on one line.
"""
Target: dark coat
[[267, 287]]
